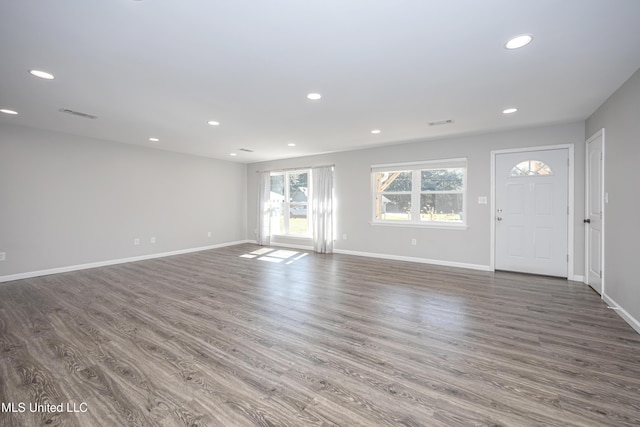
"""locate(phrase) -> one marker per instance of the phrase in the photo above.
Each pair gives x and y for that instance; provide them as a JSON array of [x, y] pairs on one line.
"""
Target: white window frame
[[416, 191], [288, 203]]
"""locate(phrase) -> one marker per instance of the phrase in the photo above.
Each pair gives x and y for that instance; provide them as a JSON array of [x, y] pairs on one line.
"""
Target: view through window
[[420, 193], [290, 193]]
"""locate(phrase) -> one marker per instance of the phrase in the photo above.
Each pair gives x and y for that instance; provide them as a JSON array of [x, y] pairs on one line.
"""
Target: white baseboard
[[66, 269], [391, 257], [287, 245], [415, 259], [283, 245], [632, 321], [576, 278]]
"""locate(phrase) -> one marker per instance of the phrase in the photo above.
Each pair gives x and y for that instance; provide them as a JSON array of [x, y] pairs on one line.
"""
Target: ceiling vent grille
[[78, 113], [245, 150], [441, 122]]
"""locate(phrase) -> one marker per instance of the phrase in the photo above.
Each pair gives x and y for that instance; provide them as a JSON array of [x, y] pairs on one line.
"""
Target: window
[[425, 193], [289, 202], [530, 168]]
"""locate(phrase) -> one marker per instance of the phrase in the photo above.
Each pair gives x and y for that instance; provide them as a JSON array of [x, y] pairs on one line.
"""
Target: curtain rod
[[298, 168]]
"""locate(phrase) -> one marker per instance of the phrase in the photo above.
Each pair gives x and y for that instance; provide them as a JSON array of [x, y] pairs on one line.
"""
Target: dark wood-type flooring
[[212, 338]]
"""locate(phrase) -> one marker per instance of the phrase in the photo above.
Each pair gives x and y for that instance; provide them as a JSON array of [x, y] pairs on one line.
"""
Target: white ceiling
[[163, 68]]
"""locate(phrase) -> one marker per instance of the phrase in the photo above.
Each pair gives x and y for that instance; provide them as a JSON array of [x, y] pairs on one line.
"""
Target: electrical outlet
[[152, 240], [208, 234], [136, 241], [344, 236], [3, 256], [414, 242]]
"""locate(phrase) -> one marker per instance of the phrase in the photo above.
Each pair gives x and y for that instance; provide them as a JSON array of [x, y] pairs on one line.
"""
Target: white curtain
[[322, 209], [264, 209]]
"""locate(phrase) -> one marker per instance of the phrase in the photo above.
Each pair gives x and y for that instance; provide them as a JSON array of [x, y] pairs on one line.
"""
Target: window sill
[[440, 226]]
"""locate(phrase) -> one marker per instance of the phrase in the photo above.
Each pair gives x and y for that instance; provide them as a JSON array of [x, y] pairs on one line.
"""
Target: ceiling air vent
[[441, 122], [245, 150], [78, 113]]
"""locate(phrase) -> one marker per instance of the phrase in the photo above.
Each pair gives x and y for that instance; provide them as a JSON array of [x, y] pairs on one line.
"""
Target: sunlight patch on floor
[[268, 258], [275, 255]]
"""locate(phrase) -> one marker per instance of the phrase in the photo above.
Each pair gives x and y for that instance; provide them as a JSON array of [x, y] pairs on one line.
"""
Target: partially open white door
[[594, 210]]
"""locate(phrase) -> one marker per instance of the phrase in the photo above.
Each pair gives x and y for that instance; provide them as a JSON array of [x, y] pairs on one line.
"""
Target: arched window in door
[[531, 168]]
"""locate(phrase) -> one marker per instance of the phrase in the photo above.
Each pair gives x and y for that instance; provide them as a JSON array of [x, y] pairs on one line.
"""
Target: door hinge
[[567, 210], [567, 257]]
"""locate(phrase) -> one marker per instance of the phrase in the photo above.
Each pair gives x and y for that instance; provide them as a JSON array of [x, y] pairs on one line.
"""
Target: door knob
[[587, 221], [499, 218]]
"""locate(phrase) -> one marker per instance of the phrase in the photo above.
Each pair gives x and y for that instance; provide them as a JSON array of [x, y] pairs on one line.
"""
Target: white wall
[[619, 117], [470, 246], [68, 200]]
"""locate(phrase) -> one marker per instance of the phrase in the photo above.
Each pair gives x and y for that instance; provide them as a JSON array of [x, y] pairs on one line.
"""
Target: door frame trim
[[570, 196], [599, 134]]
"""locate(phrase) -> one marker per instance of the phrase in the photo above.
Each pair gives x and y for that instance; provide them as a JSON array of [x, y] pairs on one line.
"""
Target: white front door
[[594, 210], [531, 217]]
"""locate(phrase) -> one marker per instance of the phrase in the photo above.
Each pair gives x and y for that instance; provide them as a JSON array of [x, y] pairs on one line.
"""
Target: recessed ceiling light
[[41, 74], [376, 131], [154, 139], [213, 123], [509, 111], [314, 96], [519, 41], [233, 154], [4, 110], [291, 144]]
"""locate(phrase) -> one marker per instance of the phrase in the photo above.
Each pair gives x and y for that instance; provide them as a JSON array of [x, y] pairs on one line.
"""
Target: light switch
[[482, 200]]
